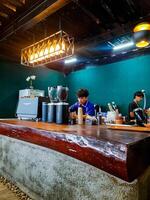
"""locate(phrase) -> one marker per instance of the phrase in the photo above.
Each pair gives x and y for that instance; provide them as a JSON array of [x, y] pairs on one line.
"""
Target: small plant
[[30, 79]]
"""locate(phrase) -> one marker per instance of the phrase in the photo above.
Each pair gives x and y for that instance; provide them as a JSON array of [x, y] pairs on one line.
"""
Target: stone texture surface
[[45, 174]]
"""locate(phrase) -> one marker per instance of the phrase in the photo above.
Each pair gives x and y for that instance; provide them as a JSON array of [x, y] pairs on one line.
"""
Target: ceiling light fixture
[[70, 60], [53, 48], [123, 46], [142, 34]]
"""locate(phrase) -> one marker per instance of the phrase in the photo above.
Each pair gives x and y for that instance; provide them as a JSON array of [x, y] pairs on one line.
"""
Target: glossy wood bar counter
[[124, 154]]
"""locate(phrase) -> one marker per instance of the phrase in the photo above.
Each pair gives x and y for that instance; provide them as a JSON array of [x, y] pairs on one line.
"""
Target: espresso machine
[[30, 104], [58, 106]]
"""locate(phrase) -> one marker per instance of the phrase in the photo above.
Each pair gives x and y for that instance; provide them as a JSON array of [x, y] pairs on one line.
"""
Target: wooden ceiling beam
[[15, 2], [19, 43], [7, 57], [5, 9], [33, 16], [11, 45], [13, 52], [2, 19], [23, 1], [7, 44], [8, 5], [4, 15]]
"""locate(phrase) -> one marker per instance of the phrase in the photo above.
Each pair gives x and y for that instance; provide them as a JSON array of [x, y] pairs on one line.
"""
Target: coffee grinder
[[58, 106], [52, 105], [62, 107]]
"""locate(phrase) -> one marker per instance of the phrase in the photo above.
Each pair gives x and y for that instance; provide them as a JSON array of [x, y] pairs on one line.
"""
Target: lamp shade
[[142, 35]]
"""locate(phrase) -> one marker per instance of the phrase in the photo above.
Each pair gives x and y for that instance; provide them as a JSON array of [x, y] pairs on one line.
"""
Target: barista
[[138, 96], [87, 107]]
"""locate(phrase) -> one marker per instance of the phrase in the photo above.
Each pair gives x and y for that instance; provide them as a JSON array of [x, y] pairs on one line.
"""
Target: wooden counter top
[[124, 154], [146, 128]]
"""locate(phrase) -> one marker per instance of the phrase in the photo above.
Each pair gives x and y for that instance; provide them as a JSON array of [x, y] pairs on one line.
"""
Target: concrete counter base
[[45, 174]]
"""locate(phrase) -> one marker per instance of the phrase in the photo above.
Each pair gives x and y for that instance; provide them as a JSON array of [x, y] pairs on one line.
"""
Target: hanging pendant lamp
[[142, 34], [53, 48]]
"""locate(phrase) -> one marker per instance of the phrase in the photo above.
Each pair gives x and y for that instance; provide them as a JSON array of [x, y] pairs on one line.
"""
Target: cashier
[[87, 106], [138, 96]]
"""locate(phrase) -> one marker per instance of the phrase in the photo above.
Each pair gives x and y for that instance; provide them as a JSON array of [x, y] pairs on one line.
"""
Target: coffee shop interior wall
[[13, 78], [113, 82]]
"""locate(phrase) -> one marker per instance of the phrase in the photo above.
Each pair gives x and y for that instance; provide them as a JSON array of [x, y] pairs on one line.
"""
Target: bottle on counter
[[115, 107], [80, 115], [110, 107]]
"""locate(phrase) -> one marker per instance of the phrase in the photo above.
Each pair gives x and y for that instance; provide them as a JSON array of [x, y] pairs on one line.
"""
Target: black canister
[[51, 112], [44, 111], [62, 113]]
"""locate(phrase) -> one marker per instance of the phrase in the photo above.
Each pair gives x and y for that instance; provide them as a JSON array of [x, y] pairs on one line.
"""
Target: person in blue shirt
[[87, 107]]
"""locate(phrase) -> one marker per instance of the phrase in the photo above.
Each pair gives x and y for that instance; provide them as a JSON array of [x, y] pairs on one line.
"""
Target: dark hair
[[82, 93], [139, 94]]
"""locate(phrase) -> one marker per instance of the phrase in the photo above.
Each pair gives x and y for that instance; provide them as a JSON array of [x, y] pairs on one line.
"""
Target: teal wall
[[13, 78], [113, 82]]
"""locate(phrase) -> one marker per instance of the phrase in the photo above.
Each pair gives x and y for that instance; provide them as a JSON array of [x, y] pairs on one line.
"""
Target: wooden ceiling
[[90, 22], [19, 29]]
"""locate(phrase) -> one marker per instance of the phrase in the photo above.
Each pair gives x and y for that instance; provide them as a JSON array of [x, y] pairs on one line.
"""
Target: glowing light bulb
[[31, 57], [57, 49], [142, 34], [46, 53], [52, 51], [141, 27], [35, 57], [142, 43], [63, 46], [41, 53]]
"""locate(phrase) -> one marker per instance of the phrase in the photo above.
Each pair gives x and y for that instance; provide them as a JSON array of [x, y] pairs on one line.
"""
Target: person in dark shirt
[[87, 107], [138, 96]]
